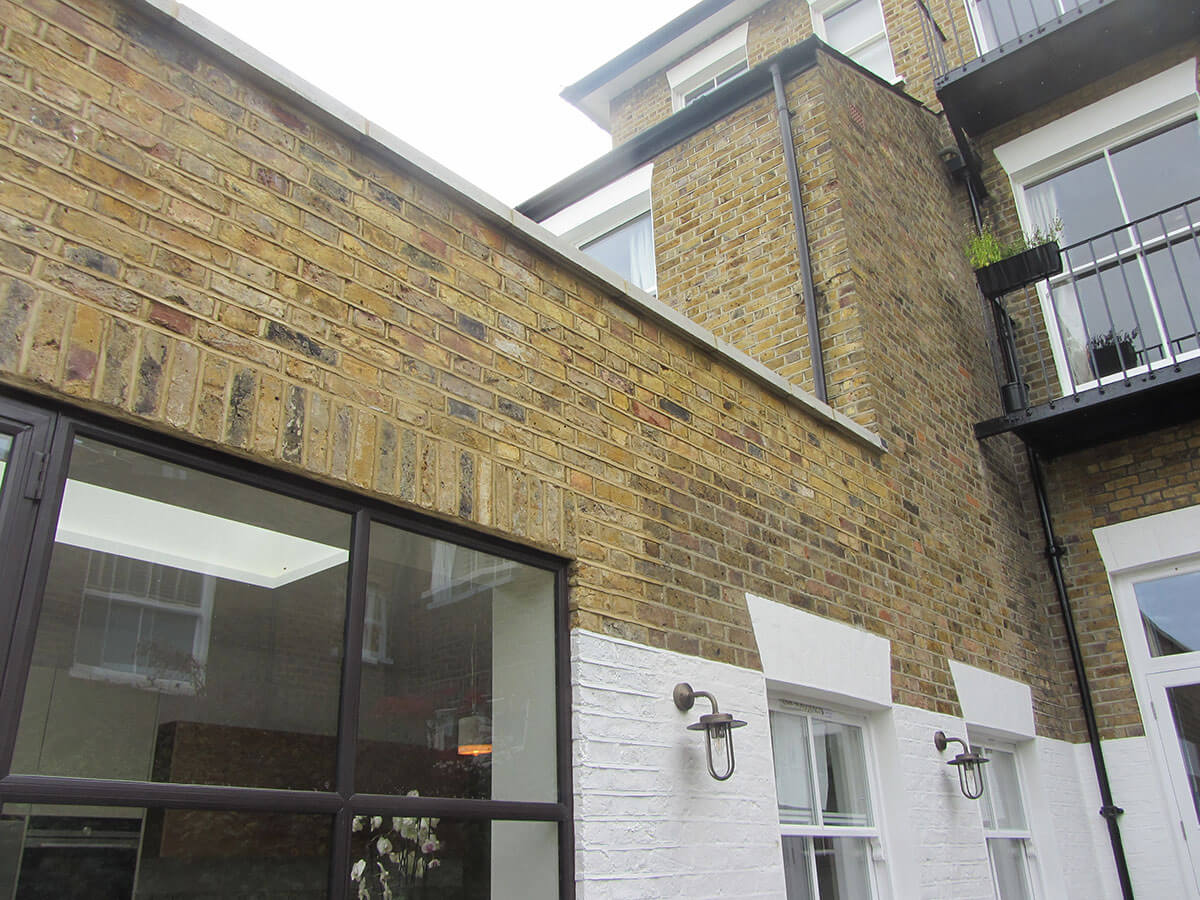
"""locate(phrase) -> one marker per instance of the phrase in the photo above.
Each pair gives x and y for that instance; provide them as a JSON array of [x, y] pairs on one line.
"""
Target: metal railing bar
[[1156, 305]]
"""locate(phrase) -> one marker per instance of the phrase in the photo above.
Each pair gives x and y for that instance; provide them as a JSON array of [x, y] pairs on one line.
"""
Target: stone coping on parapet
[[283, 81]]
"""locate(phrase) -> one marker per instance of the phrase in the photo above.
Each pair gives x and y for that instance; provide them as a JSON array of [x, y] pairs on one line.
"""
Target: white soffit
[[993, 702], [634, 186], [1150, 540], [827, 660], [99, 518], [1042, 150]]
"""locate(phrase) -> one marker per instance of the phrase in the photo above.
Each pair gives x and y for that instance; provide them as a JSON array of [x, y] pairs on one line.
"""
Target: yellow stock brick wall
[[783, 23], [183, 249]]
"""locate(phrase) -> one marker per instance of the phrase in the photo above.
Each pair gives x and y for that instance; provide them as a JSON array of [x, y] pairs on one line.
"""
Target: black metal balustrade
[[956, 32], [1124, 312]]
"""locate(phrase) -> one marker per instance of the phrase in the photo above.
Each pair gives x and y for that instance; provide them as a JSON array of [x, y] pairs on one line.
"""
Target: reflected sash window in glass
[[629, 251], [5, 451], [1170, 609], [1005, 827], [825, 810], [190, 630]]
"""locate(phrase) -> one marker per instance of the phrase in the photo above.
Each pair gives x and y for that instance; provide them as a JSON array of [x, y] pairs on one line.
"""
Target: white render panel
[[800, 649], [997, 703], [937, 835], [1148, 831], [650, 822]]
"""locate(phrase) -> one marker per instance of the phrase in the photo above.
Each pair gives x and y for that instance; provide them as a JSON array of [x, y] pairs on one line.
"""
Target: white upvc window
[[829, 827], [1118, 174], [1005, 823], [856, 28], [710, 67], [614, 226]]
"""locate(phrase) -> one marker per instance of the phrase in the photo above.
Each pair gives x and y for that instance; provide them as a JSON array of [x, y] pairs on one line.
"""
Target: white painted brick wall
[[652, 825], [650, 821]]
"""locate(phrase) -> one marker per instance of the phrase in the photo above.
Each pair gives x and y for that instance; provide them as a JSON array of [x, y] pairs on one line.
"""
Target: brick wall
[[186, 250]]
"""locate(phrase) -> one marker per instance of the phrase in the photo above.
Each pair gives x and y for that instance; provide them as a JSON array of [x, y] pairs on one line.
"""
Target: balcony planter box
[[1017, 271]]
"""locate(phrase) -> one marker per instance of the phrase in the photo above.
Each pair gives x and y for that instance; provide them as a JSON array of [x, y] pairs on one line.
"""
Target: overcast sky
[[473, 84]]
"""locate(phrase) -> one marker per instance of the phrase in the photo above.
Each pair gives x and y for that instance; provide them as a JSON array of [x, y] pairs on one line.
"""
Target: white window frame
[[986, 745], [607, 209], [708, 65], [977, 23], [1129, 114], [1140, 550], [790, 705], [820, 10]]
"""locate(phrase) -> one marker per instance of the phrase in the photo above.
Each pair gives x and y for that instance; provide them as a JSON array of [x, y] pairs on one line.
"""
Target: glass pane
[[403, 857], [191, 630], [841, 773], [81, 853], [877, 56], [1185, 711], [1107, 321], [854, 24], [461, 702], [1085, 199], [1170, 610], [1002, 807], [1159, 171], [843, 868], [1174, 271], [1010, 868], [5, 451], [797, 867], [629, 249], [793, 776], [1005, 20]]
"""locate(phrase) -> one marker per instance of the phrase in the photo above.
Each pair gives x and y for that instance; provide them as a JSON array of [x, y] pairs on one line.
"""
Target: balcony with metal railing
[[994, 60], [1111, 345]]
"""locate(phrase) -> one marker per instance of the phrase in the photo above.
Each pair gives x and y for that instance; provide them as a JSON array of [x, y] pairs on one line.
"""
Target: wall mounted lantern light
[[717, 727], [968, 763]]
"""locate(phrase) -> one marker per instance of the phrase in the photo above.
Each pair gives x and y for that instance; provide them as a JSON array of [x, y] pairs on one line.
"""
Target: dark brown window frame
[[44, 432]]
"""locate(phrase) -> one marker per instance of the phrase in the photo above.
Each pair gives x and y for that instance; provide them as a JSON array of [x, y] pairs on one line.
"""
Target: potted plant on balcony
[[1001, 267], [1113, 351]]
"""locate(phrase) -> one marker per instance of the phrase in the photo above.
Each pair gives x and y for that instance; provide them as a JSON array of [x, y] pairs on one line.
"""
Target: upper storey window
[[614, 227], [856, 29], [707, 69]]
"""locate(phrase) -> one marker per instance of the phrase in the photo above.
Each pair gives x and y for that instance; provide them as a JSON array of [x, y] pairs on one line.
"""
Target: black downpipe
[[1054, 554], [810, 294]]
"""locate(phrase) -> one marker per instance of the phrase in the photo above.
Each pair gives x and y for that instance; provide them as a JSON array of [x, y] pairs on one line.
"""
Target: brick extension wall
[[185, 250]]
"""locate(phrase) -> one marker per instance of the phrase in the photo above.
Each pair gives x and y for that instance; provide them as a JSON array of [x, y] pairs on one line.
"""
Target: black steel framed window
[[225, 681]]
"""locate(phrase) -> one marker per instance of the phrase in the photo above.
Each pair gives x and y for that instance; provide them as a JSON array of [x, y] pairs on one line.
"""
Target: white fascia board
[[597, 105], [1077, 134], [999, 705], [827, 660], [571, 223], [1150, 540], [99, 518]]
